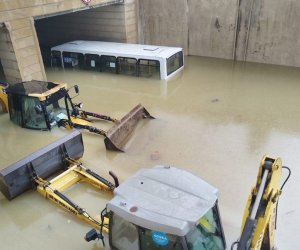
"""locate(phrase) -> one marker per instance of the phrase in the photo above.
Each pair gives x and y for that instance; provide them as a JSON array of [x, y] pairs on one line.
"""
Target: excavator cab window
[[208, 234]]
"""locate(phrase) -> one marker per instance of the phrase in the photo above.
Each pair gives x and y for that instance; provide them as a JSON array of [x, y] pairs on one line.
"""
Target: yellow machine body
[[52, 189], [47, 104], [3, 98], [51, 171]]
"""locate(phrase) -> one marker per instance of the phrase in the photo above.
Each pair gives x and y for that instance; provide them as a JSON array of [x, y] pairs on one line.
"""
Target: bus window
[[92, 62], [127, 66], [174, 62], [55, 58], [73, 60], [149, 68], [108, 64]]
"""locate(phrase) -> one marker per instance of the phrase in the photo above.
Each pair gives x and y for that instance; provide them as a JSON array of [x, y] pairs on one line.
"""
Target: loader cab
[[152, 212], [38, 104]]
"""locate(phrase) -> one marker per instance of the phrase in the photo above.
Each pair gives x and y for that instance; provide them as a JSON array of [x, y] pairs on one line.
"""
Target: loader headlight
[[91, 235], [79, 105]]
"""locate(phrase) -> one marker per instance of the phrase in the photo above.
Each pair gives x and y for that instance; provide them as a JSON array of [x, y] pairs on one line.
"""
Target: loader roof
[[34, 88], [164, 198]]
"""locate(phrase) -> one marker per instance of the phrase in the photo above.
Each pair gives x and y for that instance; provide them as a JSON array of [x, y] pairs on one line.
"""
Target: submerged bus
[[121, 58]]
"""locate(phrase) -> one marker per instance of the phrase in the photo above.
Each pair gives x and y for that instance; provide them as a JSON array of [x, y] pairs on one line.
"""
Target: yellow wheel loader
[[52, 170], [3, 98], [43, 105], [160, 208]]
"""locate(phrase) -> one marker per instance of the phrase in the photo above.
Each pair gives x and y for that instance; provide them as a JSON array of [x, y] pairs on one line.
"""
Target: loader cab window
[[15, 109], [124, 234], [33, 114], [208, 234], [154, 240], [56, 111]]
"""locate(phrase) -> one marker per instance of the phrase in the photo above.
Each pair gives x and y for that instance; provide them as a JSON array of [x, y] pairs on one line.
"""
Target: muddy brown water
[[216, 119]]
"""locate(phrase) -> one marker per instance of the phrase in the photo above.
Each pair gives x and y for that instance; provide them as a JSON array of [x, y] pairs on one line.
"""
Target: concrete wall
[[18, 17], [274, 32], [164, 22], [265, 31]]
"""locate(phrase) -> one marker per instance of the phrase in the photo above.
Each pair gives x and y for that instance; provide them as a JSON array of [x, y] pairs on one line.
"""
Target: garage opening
[[104, 23]]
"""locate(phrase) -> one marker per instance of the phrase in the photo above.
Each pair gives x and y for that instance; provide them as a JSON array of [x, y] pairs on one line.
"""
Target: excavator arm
[[259, 218]]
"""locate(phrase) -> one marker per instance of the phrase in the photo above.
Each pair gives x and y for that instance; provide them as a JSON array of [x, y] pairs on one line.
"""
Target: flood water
[[216, 119]]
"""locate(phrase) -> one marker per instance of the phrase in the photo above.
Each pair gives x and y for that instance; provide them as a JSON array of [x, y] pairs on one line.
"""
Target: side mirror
[[79, 105], [38, 109], [76, 89]]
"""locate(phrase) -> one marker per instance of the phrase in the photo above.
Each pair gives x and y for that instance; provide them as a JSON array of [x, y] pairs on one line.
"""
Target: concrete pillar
[[26, 51], [131, 29], [8, 57]]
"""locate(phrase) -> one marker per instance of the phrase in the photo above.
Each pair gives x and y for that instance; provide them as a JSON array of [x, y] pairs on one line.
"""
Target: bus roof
[[117, 49]]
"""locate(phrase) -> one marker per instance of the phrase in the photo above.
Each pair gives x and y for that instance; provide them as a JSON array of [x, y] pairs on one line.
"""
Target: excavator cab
[[152, 212]]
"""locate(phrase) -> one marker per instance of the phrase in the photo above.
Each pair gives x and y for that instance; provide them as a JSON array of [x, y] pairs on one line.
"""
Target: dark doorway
[[104, 23]]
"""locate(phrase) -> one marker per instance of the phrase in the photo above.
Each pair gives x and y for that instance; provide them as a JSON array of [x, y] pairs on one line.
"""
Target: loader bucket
[[19, 177], [118, 135]]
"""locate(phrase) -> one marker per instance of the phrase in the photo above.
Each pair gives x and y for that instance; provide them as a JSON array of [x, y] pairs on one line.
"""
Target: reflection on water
[[216, 119]]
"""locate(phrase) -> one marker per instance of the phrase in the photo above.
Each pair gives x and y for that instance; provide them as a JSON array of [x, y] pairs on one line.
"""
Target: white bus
[[121, 58]]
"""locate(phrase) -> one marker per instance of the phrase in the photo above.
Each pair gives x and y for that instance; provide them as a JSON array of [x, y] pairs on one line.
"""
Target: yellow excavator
[[42, 105], [149, 211]]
